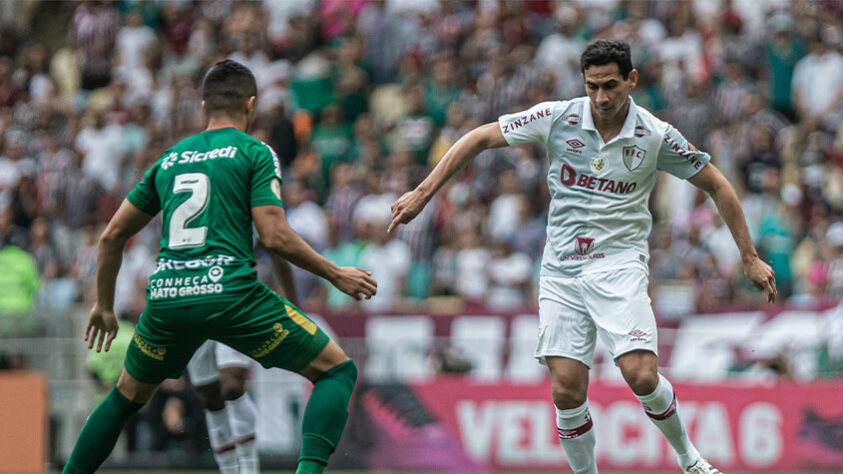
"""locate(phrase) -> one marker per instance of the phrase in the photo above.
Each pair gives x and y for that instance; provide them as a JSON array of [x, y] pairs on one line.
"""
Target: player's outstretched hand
[[406, 208], [102, 323], [356, 283], [762, 277]]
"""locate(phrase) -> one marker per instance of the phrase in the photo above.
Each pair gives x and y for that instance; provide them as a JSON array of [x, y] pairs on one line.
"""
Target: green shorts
[[260, 324]]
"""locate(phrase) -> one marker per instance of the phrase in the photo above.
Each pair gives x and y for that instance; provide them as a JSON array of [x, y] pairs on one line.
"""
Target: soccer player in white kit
[[219, 373], [605, 154]]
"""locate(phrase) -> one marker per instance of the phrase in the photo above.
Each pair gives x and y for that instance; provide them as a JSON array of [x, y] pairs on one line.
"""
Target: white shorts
[[612, 304], [211, 356]]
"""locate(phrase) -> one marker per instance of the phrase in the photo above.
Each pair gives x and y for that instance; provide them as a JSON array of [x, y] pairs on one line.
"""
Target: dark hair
[[605, 51], [226, 86]]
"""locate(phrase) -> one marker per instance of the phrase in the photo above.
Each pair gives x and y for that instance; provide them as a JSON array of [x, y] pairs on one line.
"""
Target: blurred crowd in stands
[[360, 98]]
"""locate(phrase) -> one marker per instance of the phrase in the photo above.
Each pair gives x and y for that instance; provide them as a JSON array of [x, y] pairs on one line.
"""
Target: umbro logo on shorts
[[637, 335]]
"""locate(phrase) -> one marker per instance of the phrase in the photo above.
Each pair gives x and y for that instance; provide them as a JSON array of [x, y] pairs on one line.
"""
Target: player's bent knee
[[210, 396], [233, 382], [640, 370], [232, 390], [330, 357], [345, 372], [642, 382], [566, 398], [133, 389]]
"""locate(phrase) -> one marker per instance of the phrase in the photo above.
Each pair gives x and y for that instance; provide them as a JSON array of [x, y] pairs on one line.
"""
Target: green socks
[[322, 426], [310, 467], [100, 433], [325, 417]]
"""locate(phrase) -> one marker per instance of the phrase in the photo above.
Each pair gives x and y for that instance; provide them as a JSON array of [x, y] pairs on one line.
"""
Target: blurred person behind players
[[218, 374]]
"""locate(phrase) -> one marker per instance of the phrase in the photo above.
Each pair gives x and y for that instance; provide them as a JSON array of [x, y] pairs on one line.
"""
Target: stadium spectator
[[95, 30], [388, 258], [134, 40], [471, 278], [361, 98], [834, 270], [348, 89], [509, 275], [818, 81], [19, 280]]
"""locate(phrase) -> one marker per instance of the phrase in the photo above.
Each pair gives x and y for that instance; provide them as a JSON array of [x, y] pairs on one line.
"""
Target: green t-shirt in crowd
[[106, 366], [19, 281]]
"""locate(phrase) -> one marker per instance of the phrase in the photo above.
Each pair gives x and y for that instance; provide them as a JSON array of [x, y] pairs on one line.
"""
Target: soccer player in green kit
[[210, 188]]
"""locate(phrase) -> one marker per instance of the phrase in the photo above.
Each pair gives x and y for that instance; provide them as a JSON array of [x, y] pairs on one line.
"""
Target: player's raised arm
[[457, 157], [712, 181], [127, 221], [276, 235]]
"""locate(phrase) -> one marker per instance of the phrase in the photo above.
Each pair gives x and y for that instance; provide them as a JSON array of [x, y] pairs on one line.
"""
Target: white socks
[[662, 408], [243, 417], [232, 434], [577, 437], [222, 441]]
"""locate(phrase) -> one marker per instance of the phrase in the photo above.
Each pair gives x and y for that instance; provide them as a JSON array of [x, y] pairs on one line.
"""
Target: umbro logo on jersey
[[574, 144], [641, 131]]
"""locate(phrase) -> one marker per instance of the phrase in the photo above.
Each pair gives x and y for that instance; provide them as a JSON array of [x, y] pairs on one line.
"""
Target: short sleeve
[[266, 178], [144, 196], [532, 125], [680, 157]]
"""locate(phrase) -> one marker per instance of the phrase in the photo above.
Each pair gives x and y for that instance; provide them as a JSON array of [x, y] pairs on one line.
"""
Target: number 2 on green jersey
[[180, 235]]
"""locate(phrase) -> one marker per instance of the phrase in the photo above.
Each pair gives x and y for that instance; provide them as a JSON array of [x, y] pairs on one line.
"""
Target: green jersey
[[205, 187]]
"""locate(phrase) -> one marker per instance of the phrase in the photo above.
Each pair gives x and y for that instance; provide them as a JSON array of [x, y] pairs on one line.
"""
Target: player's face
[[607, 89]]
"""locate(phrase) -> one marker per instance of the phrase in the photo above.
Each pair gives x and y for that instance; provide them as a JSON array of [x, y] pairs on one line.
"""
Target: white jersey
[[598, 218]]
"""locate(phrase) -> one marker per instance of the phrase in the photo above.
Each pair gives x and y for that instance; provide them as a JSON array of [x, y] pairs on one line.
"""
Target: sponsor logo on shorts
[[584, 245], [156, 353], [270, 344], [638, 335]]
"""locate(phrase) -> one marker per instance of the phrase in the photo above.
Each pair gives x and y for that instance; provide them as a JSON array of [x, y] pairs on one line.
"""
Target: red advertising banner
[[736, 427]]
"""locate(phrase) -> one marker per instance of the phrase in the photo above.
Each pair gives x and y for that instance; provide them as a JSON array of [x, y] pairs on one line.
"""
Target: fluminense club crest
[[633, 156]]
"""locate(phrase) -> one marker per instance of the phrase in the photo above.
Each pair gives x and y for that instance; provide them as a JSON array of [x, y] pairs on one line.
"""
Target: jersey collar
[[628, 129]]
